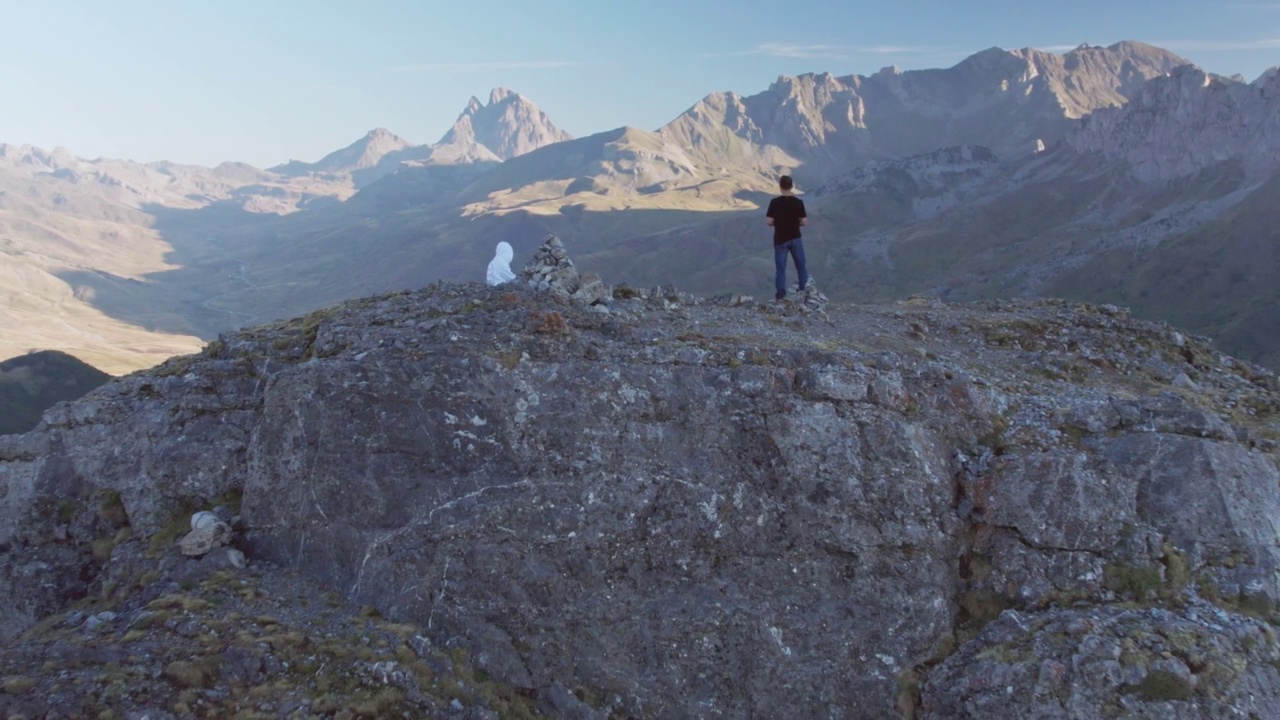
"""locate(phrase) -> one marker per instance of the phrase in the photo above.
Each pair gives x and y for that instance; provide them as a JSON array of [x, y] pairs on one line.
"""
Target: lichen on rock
[[692, 507]]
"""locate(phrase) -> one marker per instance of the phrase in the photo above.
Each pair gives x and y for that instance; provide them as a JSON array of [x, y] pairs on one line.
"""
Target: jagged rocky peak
[[807, 83], [382, 135], [508, 126], [499, 94], [1085, 78], [1002, 99], [377, 143], [1267, 79], [717, 110], [1125, 66], [1173, 129], [365, 153], [1092, 77], [38, 159], [62, 158], [1054, 498]]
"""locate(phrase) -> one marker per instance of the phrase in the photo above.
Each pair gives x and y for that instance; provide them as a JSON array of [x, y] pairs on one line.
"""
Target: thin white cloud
[[1184, 45], [895, 49], [481, 66], [827, 52], [789, 50]]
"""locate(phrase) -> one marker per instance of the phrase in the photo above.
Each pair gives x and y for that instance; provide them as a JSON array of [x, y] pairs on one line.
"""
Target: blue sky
[[203, 81]]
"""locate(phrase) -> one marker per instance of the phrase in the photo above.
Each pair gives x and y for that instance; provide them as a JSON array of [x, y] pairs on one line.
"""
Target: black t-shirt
[[786, 211]]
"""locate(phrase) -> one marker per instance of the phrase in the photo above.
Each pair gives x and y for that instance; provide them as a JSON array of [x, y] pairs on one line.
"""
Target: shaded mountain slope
[[1220, 278], [31, 384]]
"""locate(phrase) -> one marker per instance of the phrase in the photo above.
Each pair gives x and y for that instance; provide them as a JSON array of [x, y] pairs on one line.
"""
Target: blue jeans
[[796, 249]]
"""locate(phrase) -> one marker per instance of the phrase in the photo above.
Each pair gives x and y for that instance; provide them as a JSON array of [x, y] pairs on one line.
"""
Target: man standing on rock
[[786, 216]]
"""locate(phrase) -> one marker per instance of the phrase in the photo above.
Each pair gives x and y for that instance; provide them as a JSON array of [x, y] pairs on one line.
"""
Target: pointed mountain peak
[[1267, 78], [509, 125], [499, 94], [383, 138], [363, 153]]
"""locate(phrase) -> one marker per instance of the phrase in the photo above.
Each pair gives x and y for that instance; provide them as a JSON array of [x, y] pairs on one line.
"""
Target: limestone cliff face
[[1179, 125], [714, 509], [1008, 101]]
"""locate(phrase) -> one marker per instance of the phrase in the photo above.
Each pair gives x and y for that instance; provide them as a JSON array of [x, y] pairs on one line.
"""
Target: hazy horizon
[[264, 84]]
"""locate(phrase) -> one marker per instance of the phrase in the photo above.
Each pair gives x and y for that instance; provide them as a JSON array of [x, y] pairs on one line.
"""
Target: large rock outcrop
[[698, 508]]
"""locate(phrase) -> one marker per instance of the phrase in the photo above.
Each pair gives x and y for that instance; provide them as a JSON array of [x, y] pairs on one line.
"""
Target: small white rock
[[236, 558], [204, 518]]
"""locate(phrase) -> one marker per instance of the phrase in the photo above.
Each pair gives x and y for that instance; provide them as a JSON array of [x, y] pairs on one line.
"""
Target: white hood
[[500, 267]]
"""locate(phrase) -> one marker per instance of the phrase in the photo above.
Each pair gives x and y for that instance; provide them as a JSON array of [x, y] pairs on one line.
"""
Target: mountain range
[[484, 134], [1113, 175], [651, 502]]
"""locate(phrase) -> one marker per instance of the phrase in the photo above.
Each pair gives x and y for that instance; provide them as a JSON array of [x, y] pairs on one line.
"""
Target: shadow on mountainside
[[33, 383], [235, 268], [207, 247], [1222, 279]]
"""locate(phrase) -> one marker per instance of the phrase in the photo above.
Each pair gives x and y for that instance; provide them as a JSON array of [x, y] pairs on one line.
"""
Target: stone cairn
[[809, 301], [812, 299], [551, 270], [210, 536]]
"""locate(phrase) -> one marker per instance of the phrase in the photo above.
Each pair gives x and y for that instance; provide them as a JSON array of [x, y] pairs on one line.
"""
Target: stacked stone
[[209, 537], [809, 301], [812, 300], [551, 270]]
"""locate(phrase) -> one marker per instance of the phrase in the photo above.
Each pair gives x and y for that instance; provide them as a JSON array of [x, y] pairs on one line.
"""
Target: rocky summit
[[467, 501]]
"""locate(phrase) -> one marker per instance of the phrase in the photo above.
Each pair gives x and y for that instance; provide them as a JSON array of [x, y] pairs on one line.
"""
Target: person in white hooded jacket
[[500, 266]]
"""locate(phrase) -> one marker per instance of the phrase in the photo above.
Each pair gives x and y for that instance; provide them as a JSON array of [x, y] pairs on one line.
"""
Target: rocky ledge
[[667, 507]]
